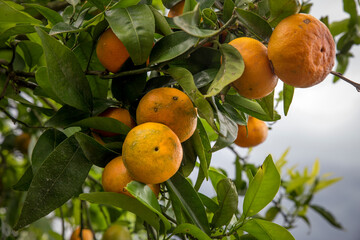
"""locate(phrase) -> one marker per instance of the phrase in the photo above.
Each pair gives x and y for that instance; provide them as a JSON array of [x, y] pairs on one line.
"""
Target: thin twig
[[14, 120], [62, 223], [5, 87], [237, 154], [354, 84]]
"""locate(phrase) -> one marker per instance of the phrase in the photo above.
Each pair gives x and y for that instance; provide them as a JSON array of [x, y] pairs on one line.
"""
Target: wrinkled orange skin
[[22, 142], [117, 232], [111, 52], [171, 107], [302, 50], [115, 177], [255, 134], [152, 153], [86, 234], [119, 114], [258, 79], [177, 10]]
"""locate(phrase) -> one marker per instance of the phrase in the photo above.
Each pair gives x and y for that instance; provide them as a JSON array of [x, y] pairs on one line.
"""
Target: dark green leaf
[[327, 215], [104, 124], [205, 77], [15, 30], [191, 229], [265, 230], [189, 158], [191, 203], [136, 30], [351, 8], [228, 202], [234, 114], [68, 80], [262, 189], [124, 202], [94, 151], [24, 182], [228, 10], [42, 78], [65, 116], [62, 27], [57, 180], [52, 16], [210, 204], [209, 18], [288, 93], [280, 9], [255, 24], [160, 22], [215, 177], [32, 52], [271, 213], [267, 104], [170, 3], [231, 69], [8, 14]]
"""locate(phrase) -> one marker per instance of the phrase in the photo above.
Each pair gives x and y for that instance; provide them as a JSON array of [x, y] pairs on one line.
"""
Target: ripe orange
[[171, 107], [117, 232], [111, 52], [302, 50], [119, 114], [22, 142], [152, 153], [258, 79], [86, 234], [176, 10], [255, 134], [115, 177]]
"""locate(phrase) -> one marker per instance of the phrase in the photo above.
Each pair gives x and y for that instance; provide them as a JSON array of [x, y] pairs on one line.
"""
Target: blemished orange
[[301, 50], [22, 142], [177, 9], [152, 153], [255, 134], [119, 114], [115, 177], [111, 52], [171, 107], [117, 232], [86, 234], [258, 79]]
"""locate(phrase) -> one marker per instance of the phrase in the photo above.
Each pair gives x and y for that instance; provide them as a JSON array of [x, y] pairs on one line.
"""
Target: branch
[[354, 84], [14, 120]]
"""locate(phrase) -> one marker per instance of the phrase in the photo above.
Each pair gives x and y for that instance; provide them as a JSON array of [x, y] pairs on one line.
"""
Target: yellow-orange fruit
[[152, 153], [258, 79], [302, 50], [115, 177], [111, 52], [86, 234], [171, 107], [176, 10], [117, 232], [119, 114], [255, 134]]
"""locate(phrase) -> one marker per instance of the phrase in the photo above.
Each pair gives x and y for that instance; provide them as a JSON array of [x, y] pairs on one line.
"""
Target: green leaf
[[228, 202], [190, 201], [24, 182], [42, 79], [228, 10], [171, 46], [65, 116], [205, 77], [262, 189], [57, 180], [280, 9], [186, 81], [32, 52], [104, 124], [267, 104], [265, 230], [255, 24], [170, 3], [68, 80], [124, 202], [215, 177], [16, 30], [94, 151], [189, 21], [52, 16], [231, 69], [146, 196], [323, 183], [62, 27], [288, 94], [209, 203], [160, 22], [8, 14], [327, 215], [351, 8], [191, 229], [189, 158], [136, 30]]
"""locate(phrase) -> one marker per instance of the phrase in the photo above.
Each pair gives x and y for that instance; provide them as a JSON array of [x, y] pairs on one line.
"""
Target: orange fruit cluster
[[84, 234]]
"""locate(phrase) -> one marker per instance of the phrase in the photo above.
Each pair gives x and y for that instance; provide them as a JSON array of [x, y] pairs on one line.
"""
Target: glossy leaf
[[136, 30], [265, 230], [327, 215], [62, 27], [160, 22], [255, 24], [191, 203], [15, 30], [267, 104], [205, 77], [228, 10], [94, 151], [215, 177], [209, 203], [68, 80], [52, 16], [262, 189], [228, 202], [146, 196], [56, 181], [231, 69], [171, 46], [189, 158], [191, 229], [124, 202], [280, 9], [65, 116], [24, 182], [9, 14], [288, 94], [42, 78], [103, 123]]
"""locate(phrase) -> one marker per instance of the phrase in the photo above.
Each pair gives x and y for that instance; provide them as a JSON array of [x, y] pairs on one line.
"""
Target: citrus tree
[[107, 107]]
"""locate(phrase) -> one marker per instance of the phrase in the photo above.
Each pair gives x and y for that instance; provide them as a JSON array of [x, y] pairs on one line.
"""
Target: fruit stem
[[339, 75]]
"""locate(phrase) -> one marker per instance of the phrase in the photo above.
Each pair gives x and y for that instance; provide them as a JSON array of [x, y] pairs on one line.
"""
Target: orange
[[152, 153], [119, 114], [255, 134], [22, 142], [258, 79], [117, 232], [111, 52], [115, 177], [171, 107], [177, 9], [86, 234], [302, 50]]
